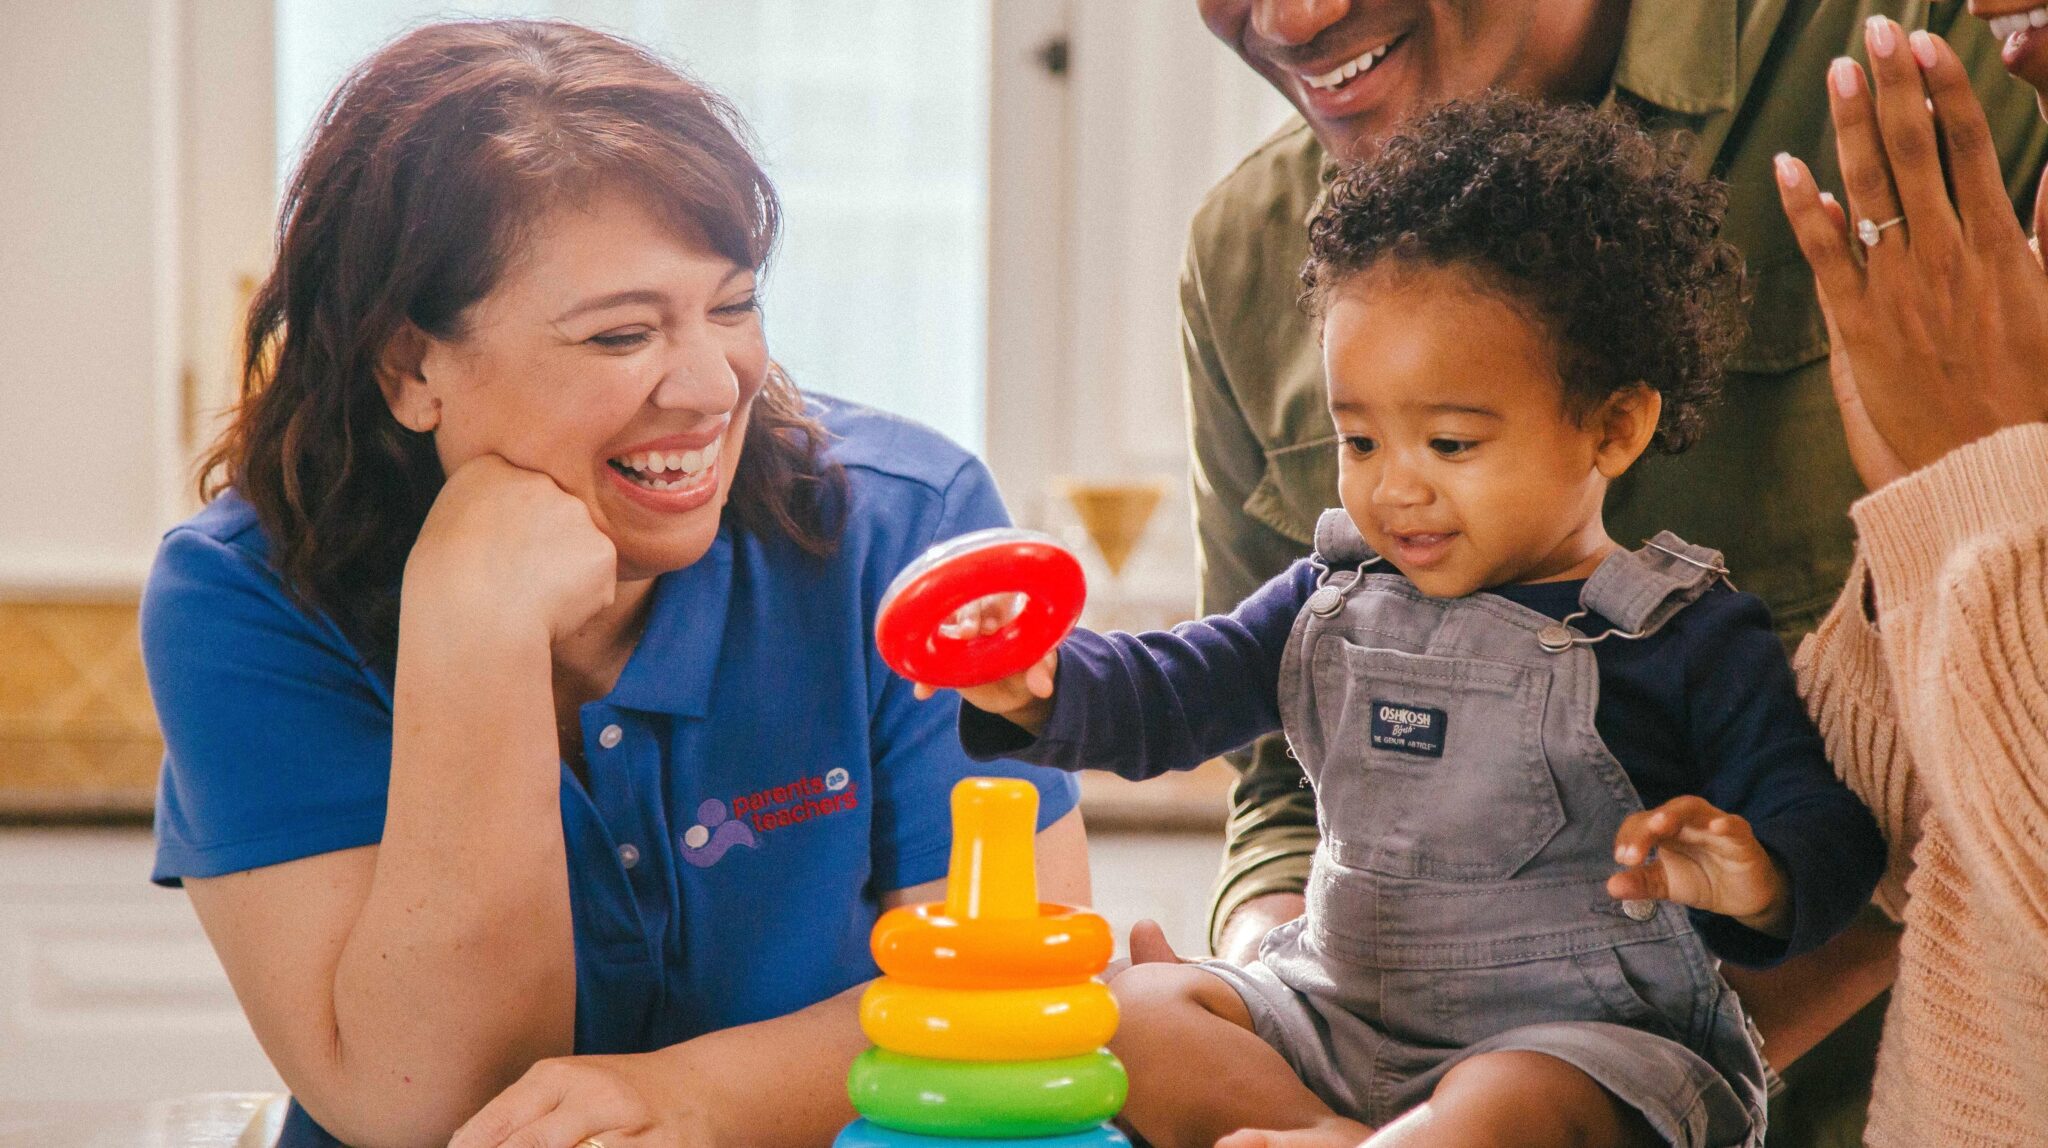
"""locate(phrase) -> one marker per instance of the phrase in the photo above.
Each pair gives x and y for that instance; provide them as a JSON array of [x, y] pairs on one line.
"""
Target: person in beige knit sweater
[[1929, 680]]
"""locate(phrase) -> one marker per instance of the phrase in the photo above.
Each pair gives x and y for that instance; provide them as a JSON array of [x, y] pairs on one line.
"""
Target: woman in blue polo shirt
[[518, 692]]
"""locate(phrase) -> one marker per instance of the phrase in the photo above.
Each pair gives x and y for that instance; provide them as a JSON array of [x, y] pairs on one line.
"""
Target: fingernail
[[1923, 47], [1788, 169], [1845, 75], [2014, 45], [1828, 198]]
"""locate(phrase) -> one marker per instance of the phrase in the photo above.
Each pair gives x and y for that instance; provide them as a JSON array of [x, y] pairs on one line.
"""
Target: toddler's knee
[[1150, 989], [1142, 986], [1541, 1098]]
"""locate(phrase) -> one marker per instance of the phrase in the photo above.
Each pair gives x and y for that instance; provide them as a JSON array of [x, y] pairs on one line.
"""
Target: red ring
[[907, 628]]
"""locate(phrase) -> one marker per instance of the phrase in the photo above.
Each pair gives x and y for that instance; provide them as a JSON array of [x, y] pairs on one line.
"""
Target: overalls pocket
[[1438, 769], [1647, 985], [1457, 1007]]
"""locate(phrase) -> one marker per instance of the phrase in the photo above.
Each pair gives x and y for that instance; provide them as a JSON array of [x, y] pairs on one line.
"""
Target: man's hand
[[1687, 851], [1149, 946], [1250, 922]]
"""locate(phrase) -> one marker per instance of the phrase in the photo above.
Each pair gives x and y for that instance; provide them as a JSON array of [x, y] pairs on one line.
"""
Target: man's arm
[[1272, 828]]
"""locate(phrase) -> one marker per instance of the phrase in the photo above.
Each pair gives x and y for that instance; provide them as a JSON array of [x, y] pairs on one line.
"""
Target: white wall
[[135, 193], [88, 304]]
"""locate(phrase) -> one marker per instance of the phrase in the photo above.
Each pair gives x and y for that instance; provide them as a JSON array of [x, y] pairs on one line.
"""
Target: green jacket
[[1769, 485]]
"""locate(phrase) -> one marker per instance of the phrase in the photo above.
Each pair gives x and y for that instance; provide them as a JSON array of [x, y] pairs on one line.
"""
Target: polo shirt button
[[609, 736], [629, 855]]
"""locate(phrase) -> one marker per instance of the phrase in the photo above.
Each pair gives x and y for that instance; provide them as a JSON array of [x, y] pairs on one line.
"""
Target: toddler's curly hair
[[1574, 216]]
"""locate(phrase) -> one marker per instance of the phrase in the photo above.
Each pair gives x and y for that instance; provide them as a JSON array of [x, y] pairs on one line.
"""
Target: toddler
[[1557, 780]]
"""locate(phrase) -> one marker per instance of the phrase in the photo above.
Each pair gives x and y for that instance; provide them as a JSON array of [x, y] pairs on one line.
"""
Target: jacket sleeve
[[1842, 676], [1271, 833], [1959, 553]]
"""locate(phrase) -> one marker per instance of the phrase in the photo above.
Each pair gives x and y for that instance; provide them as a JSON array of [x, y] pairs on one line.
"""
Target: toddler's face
[[1458, 459]]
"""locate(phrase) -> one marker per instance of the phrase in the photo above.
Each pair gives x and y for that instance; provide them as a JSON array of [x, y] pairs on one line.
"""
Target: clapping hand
[[1936, 308]]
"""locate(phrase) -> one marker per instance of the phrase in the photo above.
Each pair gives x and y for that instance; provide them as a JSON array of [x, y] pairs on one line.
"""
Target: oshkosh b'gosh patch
[[1408, 728]]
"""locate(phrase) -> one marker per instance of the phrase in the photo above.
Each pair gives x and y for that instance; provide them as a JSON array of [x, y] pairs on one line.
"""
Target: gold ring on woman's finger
[[590, 1142], [1870, 230]]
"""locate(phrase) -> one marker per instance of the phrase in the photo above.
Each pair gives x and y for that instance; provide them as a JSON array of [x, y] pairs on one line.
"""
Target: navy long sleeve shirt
[[1707, 705]]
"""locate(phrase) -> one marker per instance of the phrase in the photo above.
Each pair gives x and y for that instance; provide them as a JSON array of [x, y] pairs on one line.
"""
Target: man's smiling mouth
[[1351, 69]]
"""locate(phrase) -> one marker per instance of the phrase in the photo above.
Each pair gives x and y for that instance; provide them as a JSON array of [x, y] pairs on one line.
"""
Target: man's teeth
[[2004, 26], [1335, 77], [648, 466]]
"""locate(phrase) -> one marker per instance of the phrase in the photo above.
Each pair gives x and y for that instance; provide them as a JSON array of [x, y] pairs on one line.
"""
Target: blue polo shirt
[[758, 776]]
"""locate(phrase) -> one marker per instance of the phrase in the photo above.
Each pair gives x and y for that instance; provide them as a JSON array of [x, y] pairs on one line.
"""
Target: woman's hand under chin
[[508, 549], [1940, 334]]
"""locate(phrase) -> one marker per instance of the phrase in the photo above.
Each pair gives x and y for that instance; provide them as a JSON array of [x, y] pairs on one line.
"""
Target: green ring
[[987, 1100]]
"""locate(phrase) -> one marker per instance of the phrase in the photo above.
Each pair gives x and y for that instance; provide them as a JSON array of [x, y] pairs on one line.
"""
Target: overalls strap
[[1640, 590], [1339, 545]]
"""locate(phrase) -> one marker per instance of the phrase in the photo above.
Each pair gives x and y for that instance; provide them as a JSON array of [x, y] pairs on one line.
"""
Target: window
[[872, 121]]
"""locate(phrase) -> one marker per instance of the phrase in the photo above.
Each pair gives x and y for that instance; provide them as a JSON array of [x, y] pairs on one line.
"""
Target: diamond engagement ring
[[1870, 231]]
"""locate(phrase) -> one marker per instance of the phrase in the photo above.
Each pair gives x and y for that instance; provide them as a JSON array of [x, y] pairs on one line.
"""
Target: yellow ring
[[1060, 946], [988, 1024]]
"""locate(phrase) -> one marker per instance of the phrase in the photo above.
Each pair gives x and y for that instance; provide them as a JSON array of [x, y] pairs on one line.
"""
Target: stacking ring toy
[[1059, 946], [987, 1101], [988, 1024], [964, 570], [867, 1134]]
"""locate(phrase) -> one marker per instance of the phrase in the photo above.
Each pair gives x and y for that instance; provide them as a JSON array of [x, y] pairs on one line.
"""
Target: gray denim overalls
[[1468, 808]]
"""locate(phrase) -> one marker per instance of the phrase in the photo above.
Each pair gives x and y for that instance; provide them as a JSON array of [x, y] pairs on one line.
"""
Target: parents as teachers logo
[[764, 811]]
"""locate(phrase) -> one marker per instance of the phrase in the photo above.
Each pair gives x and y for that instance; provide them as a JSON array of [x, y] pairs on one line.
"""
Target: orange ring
[[1060, 946]]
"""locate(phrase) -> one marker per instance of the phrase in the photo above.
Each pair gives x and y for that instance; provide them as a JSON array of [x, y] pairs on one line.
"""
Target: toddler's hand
[[1687, 851], [1023, 699]]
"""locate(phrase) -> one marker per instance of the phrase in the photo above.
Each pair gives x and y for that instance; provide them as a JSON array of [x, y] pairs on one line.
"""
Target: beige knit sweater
[[1937, 715]]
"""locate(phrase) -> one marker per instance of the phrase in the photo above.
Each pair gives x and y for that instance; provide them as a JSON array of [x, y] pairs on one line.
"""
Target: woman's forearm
[[778, 1083], [459, 971]]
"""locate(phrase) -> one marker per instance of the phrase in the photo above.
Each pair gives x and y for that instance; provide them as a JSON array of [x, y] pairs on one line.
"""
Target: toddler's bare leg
[[1198, 1071], [1519, 1100]]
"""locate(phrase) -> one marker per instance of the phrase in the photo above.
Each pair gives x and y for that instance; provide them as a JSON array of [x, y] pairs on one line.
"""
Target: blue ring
[[865, 1134]]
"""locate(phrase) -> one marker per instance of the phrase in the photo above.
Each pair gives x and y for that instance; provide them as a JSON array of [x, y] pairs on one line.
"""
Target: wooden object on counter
[[78, 737], [1197, 801]]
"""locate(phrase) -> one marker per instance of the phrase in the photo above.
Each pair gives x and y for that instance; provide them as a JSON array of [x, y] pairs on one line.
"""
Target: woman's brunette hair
[[426, 169]]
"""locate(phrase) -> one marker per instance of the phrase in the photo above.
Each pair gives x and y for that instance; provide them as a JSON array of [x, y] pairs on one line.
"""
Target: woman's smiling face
[[616, 357]]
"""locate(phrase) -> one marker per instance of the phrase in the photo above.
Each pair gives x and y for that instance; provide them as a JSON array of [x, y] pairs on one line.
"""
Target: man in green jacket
[[1770, 484]]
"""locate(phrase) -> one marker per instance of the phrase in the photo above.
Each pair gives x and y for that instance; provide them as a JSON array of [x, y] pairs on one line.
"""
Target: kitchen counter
[[78, 740], [211, 1120], [1177, 803]]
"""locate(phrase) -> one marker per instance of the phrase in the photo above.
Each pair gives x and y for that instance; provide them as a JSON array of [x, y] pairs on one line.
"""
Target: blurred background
[[985, 202]]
